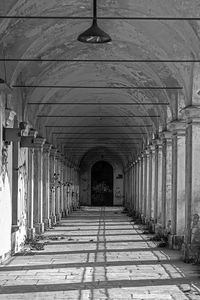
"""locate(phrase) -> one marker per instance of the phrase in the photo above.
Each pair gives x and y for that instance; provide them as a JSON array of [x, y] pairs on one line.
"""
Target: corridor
[[98, 253]]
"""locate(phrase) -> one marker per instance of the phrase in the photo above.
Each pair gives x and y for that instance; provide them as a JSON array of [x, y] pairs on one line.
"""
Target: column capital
[[4, 87], [159, 144], [166, 137], [9, 117], [191, 114], [177, 127], [33, 132], [153, 148], [47, 147], [63, 158], [167, 134], [58, 155], [39, 142], [147, 150], [53, 151]]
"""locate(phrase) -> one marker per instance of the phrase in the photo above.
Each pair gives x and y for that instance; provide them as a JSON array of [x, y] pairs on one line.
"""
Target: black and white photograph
[[99, 149]]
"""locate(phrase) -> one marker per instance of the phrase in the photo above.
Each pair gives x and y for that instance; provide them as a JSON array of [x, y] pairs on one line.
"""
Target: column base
[[58, 217], [31, 233], [149, 225], [65, 212], [39, 228], [53, 220], [190, 253], [175, 241], [47, 224], [159, 229]]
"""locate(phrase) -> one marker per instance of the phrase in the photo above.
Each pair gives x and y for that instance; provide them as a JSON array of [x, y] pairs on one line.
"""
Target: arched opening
[[102, 184]]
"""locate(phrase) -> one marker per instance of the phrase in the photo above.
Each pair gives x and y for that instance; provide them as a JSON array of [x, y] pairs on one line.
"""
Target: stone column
[[153, 151], [134, 195], [129, 187], [159, 178], [178, 184], [126, 188], [62, 186], [156, 186], [57, 186], [138, 187], [145, 183], [46, 185], [11, 122], [67, 187], [31, 229], [167, 181], [149, 190], [147, 213], [52, 174], [132, 188], [141, 185], [70, 189], [38, 185], [174, 185], [65, 204], [192, 175], [180, 227]]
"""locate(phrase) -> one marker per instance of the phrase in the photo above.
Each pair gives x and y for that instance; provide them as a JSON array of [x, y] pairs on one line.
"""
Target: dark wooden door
[[102, 184]]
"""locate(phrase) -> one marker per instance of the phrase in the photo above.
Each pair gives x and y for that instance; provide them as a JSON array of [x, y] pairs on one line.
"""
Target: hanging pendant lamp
[[94, 34]]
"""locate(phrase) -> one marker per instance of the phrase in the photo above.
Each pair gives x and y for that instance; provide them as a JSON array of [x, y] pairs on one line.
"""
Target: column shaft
[[31, 229], [149, 192], [46, 185], [38, 186], [145, 185]]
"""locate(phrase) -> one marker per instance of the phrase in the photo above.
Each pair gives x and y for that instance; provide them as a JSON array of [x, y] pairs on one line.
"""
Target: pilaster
[[141, 198], [147, 205], [166, 181], [57, 187], [31, 228], [159, 179], [153, 151], [46, 185], [38, 185], [192, 175], [52, 175]]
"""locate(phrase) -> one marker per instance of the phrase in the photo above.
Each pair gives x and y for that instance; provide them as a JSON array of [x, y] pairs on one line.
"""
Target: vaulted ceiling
[[113, 95]]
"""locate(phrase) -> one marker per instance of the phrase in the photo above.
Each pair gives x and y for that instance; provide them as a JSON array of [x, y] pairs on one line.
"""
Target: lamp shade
[[94, 35]]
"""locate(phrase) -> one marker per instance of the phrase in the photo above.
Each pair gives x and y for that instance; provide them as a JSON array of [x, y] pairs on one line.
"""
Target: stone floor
[[98, 253]]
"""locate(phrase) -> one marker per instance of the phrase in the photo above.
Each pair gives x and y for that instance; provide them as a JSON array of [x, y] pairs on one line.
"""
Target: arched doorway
[[102, 184]]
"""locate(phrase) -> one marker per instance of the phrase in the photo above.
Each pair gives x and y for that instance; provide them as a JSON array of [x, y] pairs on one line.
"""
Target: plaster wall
[[5, 190], [11, 240]]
